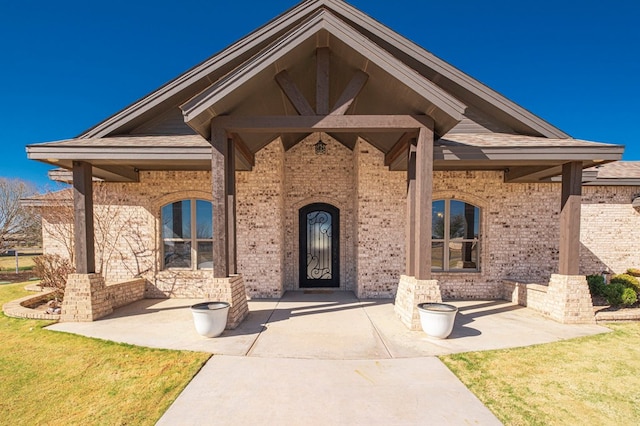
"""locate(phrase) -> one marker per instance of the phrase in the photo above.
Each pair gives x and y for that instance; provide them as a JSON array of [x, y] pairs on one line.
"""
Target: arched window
[[186, 245], [455, 240]]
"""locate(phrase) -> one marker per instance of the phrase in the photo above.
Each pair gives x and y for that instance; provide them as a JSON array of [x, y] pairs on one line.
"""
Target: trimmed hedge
[[627, 280], [634, 271], [613, 293], [629, 297], [596, 285]]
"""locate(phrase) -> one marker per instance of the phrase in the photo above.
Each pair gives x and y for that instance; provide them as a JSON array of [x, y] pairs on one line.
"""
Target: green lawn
[[8, 263], [587, 381], [58, 378]]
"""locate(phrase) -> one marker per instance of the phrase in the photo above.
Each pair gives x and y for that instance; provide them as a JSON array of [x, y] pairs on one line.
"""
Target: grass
[[58, 378], [8, 263], [590, 380]]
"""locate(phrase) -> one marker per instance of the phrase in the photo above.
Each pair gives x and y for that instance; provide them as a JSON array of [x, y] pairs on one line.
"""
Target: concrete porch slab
[[168, 324], [326, 358], [328, 325]]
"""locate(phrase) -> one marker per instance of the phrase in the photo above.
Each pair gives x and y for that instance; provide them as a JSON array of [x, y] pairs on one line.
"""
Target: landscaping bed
[[13, 277]]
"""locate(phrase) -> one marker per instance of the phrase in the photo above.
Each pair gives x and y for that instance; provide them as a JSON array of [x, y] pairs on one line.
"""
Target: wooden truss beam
[[350, 93], [294, 95], [321, 123], [399, 149], [116, 173], [322, 80], [243, 152], [531, 173]]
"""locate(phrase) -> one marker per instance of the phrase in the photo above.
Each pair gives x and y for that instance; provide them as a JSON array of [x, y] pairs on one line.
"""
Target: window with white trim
[[187, 246], [455, 240]]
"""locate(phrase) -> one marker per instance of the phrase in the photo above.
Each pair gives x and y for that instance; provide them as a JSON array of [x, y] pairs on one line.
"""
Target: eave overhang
[[528, 160], [121, 159], [524, 159]]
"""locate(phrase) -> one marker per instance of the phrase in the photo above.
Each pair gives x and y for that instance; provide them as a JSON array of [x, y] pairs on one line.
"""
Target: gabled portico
[[324, 110]]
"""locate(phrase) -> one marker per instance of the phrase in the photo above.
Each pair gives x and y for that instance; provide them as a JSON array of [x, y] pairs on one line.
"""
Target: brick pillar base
[[410, 293], [569, 300], [232, 291], [85, 298]]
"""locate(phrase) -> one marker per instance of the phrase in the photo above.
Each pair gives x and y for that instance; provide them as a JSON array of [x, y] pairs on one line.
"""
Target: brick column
[[232, 291], [569, 300], [412, 292], [85, 298]]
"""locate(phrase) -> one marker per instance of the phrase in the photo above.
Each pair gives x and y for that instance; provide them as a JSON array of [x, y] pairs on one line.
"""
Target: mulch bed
[[12, 277]]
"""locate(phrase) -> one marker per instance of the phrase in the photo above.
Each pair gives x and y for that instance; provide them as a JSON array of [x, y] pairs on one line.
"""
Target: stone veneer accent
[[412, 292], [569, 299], [22, 308], [566, 299], [125, 292], [85, 298], [232, 291], [88, 298]]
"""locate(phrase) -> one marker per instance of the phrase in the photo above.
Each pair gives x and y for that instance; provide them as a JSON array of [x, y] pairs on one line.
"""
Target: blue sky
[[68, 65]]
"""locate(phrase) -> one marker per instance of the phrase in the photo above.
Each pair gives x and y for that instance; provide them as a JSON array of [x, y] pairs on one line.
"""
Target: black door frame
[[305, 282]]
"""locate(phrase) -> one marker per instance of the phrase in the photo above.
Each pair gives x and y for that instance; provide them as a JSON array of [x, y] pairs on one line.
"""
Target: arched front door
[[319, 246]]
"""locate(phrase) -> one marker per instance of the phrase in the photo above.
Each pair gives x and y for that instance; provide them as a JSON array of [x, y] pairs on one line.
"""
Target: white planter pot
[[210, 318], [437, 319]]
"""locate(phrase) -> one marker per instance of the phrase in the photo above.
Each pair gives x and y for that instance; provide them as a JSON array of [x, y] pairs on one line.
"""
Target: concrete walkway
[[327, 358]]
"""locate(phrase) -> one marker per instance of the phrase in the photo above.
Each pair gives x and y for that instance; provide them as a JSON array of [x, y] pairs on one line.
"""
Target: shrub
[[629, 297], [596, 285], [627, 280], [613, 293], [52, 270], [633, 272]]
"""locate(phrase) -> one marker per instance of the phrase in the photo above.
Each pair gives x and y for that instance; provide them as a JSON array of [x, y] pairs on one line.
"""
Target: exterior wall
[[519, 225], [127, 228], [311, 178], [381, 217], [519, 231], [126, 292], [609, 230], [55, 234], [260, 223]]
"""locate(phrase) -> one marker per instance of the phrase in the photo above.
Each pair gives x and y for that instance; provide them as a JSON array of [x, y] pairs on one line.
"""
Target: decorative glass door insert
[[319, 246]]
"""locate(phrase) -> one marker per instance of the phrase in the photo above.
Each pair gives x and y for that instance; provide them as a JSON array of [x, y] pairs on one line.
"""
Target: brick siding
[[519, 224]]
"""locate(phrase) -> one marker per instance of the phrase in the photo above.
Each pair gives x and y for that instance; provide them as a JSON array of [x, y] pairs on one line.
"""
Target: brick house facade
[[421, 171]]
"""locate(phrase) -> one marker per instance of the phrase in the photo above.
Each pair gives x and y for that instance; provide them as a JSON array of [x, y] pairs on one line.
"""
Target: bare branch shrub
[[53, 271], [120, 239]]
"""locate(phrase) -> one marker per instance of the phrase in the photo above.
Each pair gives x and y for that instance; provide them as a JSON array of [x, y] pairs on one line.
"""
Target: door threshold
[[318, 291]]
